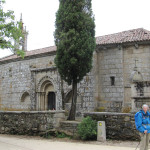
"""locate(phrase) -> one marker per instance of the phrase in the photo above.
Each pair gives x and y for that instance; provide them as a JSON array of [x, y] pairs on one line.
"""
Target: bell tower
[[25, 35]]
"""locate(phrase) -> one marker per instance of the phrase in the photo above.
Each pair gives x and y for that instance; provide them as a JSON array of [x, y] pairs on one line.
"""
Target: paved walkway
[[30, 143]]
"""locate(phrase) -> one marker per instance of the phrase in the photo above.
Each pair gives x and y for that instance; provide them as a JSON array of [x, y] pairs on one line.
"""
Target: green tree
[[75, 41], [11, 31]]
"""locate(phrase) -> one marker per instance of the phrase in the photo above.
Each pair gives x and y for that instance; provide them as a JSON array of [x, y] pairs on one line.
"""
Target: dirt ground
[[13, 142]]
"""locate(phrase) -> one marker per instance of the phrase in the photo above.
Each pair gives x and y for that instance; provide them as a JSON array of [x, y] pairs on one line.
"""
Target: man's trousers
[[144, 141]]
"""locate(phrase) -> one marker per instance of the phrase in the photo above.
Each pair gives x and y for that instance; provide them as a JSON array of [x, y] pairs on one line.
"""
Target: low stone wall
[[119, 126], [31, 123], [69, 127]]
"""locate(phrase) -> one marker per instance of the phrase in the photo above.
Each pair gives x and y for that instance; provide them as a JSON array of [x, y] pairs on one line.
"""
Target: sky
[[111, 16]]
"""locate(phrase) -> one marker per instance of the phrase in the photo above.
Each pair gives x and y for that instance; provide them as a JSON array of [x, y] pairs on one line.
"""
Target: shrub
[[87, 129], [47, 136], [62, 135]]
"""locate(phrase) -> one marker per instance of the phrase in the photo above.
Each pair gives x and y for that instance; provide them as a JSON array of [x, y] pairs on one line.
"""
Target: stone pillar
[[32, 92], [37, 101], [101, 131], [42, 101], [46, 101]]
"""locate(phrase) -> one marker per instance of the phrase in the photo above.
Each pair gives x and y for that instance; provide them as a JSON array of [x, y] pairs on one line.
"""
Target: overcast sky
[[111, 16]]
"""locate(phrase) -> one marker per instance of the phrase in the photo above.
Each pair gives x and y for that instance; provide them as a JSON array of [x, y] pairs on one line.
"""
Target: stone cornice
[[118, 45], [43, 69], [33, 112], [107, 113]]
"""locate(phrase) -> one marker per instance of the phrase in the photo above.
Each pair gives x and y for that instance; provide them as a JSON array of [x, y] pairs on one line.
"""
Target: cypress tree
[[75, 41]]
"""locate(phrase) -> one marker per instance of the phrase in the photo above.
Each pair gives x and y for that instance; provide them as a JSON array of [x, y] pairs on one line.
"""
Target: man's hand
[[145, 131]]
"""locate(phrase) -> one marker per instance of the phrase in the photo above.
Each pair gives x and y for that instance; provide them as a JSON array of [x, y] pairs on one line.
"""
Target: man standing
[[142, 122]]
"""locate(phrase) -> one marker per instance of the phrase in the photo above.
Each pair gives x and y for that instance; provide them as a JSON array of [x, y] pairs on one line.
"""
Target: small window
[[112, 79], [25, 96]]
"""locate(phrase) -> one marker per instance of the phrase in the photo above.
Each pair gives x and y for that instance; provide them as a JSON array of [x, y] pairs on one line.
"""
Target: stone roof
[[135, 35], [31, 53]]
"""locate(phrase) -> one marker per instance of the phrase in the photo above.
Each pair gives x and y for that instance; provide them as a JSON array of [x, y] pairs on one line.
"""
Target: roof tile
[[31, 53], [134, 35]]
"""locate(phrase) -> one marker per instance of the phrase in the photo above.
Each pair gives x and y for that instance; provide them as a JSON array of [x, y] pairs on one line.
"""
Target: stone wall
[[25, 83], [69, 127], [140, 94], [16, 78], [119, 126], [118, 61], [110, 65], [142, 56], [30, 123]]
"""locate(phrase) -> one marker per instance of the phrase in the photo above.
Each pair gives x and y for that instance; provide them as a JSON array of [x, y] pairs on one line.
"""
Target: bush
[[62, 135], [47, 136], [87, 129]]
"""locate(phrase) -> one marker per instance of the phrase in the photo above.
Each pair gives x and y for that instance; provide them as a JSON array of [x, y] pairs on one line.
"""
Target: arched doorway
[[51, 101], [46, 96]]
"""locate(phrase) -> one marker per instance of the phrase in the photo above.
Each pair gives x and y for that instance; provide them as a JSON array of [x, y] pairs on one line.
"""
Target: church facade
[[33, 83]]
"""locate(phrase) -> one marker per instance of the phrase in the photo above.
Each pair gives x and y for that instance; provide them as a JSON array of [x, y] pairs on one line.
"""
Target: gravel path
[[11, 142]]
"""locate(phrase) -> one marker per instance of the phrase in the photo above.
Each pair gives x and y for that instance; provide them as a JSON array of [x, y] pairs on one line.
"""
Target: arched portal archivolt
[[44, 79], [46, 94]]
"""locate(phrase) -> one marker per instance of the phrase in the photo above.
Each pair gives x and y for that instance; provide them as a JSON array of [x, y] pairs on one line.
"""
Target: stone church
[[119, 79]]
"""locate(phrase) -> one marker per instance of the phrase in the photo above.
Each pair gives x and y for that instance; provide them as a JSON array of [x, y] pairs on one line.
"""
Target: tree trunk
[[62, 94], [74, 101]]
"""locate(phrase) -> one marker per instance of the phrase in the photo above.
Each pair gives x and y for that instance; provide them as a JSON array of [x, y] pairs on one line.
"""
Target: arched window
[[25, 97]]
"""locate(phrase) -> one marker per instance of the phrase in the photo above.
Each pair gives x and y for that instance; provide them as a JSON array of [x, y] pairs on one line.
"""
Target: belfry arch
[[46, 95]]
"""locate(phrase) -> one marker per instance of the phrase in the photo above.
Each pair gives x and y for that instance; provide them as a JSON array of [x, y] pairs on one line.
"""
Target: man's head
[[145, 108]]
